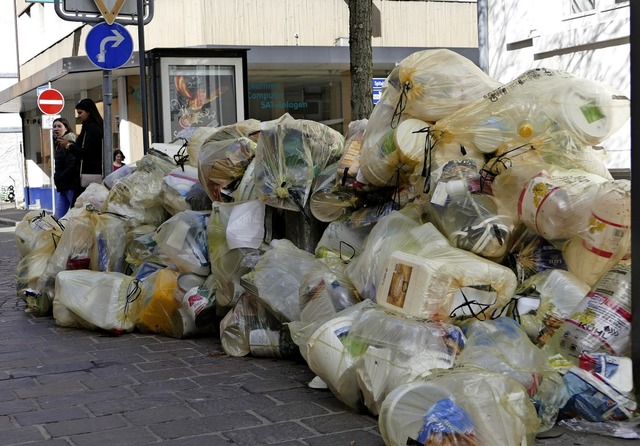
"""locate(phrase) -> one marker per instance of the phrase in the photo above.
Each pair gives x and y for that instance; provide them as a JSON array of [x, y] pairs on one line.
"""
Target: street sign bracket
[[92, 14]]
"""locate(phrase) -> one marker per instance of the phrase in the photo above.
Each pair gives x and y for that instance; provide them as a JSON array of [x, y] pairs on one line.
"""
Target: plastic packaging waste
[[602, 320], [536, 102], [395, 350], [109, 300], [605, 233], [278, 275], [251, 329], [325, 290], [545, 300], [182, 239], [501, 346], [446, 284], [462, 406], [555, 205], [594, 400]]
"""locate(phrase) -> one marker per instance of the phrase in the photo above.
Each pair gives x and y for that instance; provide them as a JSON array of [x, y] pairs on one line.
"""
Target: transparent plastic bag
[[532, 254], [342, 241], [249, 128], [629, 429], [138, 195], [278, 275], [158, 303], [183, 240], [221, 165], [601, 322], [109, 300], [349, 163], [329, 202], [364, 269], [536, 102], [444, 284], [468, 215], [498, 410], [289, 155], [432, 84], [325, 345], [603, 236], [27, 275], [95, 195], [175, 187], [592, 399], [501, 346], [556, 204], [325, 290], [393, 159], [75, 250], [228, 263], [393, 350], [251, 329], [555, 148], [36, 230], [555, 294]]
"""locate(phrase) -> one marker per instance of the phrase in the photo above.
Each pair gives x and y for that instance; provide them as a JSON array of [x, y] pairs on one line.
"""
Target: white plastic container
[[380, 370], [328, 357], [606, 237], [451, 283]]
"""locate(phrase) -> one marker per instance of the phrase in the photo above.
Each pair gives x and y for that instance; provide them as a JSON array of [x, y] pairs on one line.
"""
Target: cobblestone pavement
[[75, 387]]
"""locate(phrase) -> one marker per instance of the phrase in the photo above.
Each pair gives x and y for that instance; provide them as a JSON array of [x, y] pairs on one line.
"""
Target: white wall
[[525, 34], [11, 159]]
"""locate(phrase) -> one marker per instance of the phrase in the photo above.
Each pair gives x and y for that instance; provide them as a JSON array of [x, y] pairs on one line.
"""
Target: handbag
[[87, 178]]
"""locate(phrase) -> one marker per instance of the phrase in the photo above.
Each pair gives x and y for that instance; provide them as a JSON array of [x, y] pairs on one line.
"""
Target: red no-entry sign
[[51, 102]]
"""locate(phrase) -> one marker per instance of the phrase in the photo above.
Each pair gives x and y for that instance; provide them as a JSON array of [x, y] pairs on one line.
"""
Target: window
[[578, 6]]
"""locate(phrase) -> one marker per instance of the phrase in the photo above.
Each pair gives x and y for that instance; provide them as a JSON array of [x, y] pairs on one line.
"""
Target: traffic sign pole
[[51, 102], [109, 46], [107, 140]]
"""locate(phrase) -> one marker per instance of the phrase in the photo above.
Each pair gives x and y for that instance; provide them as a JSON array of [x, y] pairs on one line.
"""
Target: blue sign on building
[[378, 82], [109, 46]]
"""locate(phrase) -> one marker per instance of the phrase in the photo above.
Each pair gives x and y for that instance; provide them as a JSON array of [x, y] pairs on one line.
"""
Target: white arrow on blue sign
[[109, 46]]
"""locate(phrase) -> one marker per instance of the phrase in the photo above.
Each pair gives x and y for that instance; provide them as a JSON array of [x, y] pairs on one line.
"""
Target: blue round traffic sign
[[109, 46]]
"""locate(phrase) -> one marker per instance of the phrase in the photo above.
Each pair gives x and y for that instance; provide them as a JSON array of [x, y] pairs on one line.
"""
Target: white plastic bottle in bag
[[601, 323], [606, 234]]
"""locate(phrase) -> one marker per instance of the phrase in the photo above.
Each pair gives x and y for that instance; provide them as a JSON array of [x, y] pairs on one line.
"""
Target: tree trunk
[[361, 58]]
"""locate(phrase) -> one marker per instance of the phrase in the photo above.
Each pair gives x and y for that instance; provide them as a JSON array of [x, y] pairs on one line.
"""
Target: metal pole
[[52, 155], [635, 192], [142, 62], [483, 35], [107, 141]]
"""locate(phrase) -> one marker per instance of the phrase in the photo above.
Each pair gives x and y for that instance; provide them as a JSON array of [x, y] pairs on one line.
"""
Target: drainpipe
[[483, 34], [635, 192]]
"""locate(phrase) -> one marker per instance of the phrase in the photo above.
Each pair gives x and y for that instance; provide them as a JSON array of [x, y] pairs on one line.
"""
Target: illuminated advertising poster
[[200, 93]]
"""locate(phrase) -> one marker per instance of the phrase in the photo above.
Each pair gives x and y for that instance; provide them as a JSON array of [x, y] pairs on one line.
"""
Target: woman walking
[[88, 145], [66, 176]]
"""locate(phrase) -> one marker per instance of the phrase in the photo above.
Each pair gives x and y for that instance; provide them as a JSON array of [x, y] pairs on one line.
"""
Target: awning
[[71, 75]]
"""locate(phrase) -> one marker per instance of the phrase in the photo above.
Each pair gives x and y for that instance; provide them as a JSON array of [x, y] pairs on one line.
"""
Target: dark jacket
[[88, 148], [67, 168]]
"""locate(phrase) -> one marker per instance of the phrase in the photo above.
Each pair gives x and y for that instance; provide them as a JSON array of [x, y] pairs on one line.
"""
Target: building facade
[[588, 38], [297, 59]]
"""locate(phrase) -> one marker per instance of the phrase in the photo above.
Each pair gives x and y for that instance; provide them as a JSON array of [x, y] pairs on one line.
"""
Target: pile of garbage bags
[[471, 284]]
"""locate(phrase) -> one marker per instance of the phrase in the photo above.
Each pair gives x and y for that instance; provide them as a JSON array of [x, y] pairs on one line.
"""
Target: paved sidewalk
[[75, 387]]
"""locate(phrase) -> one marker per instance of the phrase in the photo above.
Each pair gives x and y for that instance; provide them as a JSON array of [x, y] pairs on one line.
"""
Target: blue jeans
[[63, 202]]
